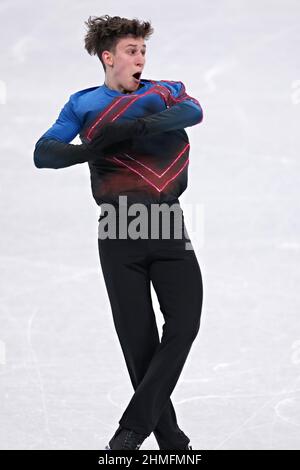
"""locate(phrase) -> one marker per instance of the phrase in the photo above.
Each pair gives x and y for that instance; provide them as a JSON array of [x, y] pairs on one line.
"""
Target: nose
[[140, 59]]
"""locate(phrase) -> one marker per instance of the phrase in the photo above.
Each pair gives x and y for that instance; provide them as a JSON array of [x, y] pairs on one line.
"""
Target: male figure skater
[[133, 138]]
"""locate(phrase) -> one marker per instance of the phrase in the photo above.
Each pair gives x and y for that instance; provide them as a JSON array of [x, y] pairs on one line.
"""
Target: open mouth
[[137, 76]]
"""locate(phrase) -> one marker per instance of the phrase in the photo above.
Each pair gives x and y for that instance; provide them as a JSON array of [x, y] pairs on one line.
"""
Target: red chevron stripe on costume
[[119, 105], [158, 180]]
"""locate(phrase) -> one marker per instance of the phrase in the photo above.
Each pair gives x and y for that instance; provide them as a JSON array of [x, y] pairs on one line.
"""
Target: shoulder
[[79, 101], [172, 85], [176, 88], [78, 94]]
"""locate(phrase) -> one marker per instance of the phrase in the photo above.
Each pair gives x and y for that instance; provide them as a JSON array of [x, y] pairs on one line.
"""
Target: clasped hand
[[114, 132]]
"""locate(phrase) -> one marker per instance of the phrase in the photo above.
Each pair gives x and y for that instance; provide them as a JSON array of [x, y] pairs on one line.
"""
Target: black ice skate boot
[[183, 443], [126, 439]]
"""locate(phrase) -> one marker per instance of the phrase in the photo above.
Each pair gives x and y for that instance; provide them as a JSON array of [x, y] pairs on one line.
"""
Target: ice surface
[[64, 382]]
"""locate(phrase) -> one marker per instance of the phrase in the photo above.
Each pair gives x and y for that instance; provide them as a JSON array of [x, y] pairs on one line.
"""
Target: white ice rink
[[64, 381]]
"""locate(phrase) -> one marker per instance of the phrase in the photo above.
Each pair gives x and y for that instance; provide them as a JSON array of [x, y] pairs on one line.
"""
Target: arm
[[185, 112], [53, 149], [51, 153], [179, 116], [182, 111]]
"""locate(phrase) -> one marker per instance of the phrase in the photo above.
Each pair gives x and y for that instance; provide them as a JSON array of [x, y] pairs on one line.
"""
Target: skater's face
[[129, 59]]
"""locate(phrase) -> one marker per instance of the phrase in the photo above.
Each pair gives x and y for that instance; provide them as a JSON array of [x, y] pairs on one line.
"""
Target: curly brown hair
[[103, 33]]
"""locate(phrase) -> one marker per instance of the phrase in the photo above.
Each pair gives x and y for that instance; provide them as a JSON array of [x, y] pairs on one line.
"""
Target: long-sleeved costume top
[[148, 169]]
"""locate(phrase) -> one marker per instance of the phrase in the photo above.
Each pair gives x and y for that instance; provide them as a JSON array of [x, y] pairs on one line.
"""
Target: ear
[[107, 58]]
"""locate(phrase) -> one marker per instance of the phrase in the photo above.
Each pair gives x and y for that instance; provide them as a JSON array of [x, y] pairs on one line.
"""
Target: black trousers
[[154, 366]]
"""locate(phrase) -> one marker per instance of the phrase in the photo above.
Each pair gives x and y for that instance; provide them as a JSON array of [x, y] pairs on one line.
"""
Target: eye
[[133, 50]]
